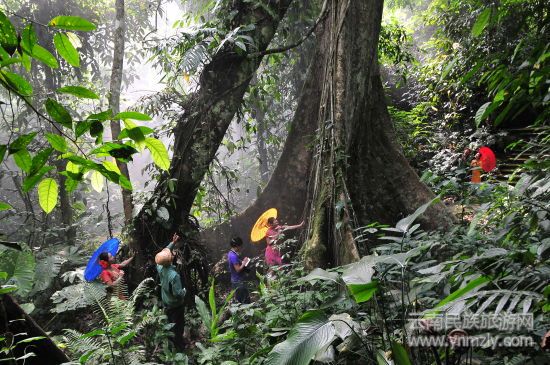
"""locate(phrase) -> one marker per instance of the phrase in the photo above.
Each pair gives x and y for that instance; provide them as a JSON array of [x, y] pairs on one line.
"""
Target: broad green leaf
[[31, 181], [72, 23], [399, 354], [363, 292], [72, 167], [404, 224], [132, 115], [3, 149], [96, 130], [5, 289], [97, 181], [26, 61], [59, 113], [42, 54], [28, 38], [58, 142], [467, 288], [70, 184], [23, 160], [82, 127], [158, 152], [481, 22], [111, 166], [480, 114], [16, 83], [125, 133], [123, 182], [47, 194], [120, 151], [102, 116], [79, 91], [66, 49], [4, 206], [75, 40], [204, 313], [10, 61], [8, 34], [40, 159], [21, 142], [20, 266], [312, 332]]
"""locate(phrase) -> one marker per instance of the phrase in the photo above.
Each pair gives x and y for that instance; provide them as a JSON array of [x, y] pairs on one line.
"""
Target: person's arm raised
[[126, 262], [287, 228]]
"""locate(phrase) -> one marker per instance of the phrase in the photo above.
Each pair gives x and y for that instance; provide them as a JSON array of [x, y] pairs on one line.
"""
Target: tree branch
[[297, 43]]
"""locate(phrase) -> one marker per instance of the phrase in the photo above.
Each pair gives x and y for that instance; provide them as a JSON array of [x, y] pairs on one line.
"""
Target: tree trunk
[[287, 189], [201, 128], [361, 173], [14, 321], [114, 100], [66, 209]]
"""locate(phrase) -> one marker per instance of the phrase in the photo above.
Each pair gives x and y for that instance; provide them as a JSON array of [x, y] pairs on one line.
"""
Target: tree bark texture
[[361, 175], [287, 189], [114, 100], [201, 129]]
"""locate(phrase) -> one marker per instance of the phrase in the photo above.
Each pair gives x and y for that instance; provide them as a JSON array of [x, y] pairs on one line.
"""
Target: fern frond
[[77, 296]]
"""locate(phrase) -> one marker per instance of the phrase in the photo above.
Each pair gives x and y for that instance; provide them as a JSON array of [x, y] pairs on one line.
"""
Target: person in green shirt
[[172, 292]]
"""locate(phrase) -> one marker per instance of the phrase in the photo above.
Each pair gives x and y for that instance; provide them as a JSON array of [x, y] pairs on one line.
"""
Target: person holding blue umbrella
[[112, 273]]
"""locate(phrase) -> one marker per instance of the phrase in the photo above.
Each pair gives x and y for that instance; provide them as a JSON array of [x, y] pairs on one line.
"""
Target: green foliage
[[19, 267], [212, 319], [498, 267], [47, 194], [69, 141], [312, 333], [116, 338]]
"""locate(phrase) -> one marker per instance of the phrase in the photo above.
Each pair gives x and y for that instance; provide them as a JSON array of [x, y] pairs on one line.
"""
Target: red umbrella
[[488, 159]]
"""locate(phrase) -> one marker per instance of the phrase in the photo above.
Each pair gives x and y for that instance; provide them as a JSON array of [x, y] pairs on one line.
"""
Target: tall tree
[[114, 99], [202, 126], [359, 173]]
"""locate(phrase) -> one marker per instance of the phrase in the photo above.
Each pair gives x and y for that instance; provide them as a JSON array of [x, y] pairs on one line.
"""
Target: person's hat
[[164, 257]]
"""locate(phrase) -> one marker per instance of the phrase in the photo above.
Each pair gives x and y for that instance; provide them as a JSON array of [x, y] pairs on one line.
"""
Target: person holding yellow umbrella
[[267, 226]]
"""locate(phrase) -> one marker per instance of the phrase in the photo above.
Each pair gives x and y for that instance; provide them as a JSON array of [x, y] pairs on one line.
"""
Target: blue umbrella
[[93, 269]]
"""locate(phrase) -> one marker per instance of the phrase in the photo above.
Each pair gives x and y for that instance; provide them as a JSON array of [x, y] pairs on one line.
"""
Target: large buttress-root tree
[[359, 174], [201, 128]]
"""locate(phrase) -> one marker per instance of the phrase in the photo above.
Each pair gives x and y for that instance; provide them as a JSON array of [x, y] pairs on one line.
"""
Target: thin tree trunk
[[65, 205], [201, 128], [114, 100]]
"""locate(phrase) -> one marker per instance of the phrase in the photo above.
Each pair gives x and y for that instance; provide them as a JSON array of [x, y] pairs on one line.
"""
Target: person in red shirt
[[112, 274], [272, 254]]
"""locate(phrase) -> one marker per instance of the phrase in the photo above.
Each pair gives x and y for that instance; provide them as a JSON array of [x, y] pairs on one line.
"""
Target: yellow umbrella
[[260, 227]]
